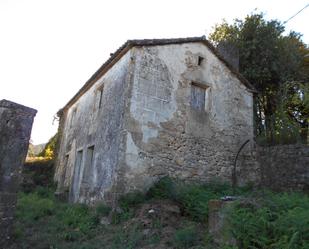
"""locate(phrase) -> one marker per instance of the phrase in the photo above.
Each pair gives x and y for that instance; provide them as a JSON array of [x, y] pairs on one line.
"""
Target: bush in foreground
[[280, 221]]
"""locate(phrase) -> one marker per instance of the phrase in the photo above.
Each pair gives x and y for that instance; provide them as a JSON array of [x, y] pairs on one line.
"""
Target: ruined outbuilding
[[15, 128], [156, 107]]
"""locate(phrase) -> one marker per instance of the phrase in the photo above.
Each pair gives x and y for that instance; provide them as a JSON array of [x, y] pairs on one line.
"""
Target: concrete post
[[218, 225], [15, 129]]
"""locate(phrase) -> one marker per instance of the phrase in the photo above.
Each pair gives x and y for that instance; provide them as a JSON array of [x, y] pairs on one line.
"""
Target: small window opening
[[100, 96], [73, 117], [200, 60], [88, 169], [200, 97], [89, 157], [77, 174]]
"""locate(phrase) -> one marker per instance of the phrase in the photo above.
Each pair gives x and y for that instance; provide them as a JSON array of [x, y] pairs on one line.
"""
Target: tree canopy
[[50, 148], [278, 66]]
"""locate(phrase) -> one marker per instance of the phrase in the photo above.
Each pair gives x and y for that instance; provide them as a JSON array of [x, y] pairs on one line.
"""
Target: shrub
[[124, 215], [132, 199], [162, 189], [78, 217], [194, 198], [33, 207], [128, 239], [282, 221], [36, 173], [185, 237], [102, 210], [194, 201]]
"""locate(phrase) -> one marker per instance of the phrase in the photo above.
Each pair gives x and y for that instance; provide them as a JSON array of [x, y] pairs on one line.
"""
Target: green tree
[[269, 60], [50, 148]]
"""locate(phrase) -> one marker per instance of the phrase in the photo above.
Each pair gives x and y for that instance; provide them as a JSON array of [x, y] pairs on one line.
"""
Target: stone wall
[[143, 124], [94, 127], [284, 167], [15, 128], [279, 167], [166, 135]]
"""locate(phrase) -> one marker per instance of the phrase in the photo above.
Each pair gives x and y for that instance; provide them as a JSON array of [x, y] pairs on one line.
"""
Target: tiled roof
[[153, 42]]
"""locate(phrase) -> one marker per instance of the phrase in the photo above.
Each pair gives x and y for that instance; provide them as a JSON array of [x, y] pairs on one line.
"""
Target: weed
[[162, 189], [185, 237], [154, 239], [102, 210], [270, 221], [32, 207], [127, 239], [131, 200], [127, 203], [124, 215], [192, 198], [281, 221]]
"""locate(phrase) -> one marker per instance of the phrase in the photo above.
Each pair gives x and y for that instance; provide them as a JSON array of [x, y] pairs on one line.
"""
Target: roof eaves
[[107, 65], [242, 79], [152, 42]]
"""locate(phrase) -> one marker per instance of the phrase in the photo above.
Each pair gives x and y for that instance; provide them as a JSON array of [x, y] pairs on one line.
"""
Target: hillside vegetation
[[171, 214]]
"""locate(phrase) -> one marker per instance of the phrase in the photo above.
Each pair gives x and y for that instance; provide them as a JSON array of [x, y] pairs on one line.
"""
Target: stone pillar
[[15, 129], [218, 225]]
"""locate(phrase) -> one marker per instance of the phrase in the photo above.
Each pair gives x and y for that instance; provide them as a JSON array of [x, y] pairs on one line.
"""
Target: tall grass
[[192, 198], [280, 220], [52, 222], [263, 220]]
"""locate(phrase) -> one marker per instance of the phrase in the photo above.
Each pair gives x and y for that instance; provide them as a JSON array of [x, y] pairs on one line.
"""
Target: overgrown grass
[[51, 221], [275, 221], [263, 220], [185, 237], [193, 198]]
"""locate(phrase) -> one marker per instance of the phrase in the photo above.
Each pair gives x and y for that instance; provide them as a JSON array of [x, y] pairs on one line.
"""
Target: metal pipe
[[234, 177]]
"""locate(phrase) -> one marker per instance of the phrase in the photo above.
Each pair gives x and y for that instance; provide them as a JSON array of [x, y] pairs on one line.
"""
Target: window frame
[[73, 116], [99, 91], [207, 96]]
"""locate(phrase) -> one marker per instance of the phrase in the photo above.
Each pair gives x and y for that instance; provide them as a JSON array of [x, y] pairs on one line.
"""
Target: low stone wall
[[279, 167], [284, 167], [15, 128]]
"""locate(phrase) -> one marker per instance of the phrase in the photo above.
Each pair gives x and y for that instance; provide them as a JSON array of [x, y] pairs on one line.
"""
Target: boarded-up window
[[197, 97], [77, 175], [88, 169], [89, 157], [200, 97]]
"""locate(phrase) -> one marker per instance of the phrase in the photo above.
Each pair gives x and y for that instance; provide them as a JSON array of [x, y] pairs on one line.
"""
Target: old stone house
[[156, 107]]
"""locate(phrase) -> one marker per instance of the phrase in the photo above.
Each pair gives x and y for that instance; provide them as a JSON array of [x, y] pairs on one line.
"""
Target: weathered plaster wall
[[146, 127], [86, 124], [15, 129], [166, 135]]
